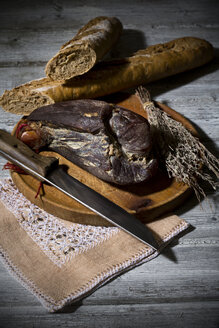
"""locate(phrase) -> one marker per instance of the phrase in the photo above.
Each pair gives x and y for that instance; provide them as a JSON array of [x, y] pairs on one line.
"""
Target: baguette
[[153, 63], [80, 54]]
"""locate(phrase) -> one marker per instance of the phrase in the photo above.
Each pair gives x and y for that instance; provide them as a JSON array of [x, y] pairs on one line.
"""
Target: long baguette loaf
[[153, 63], [80, 54]]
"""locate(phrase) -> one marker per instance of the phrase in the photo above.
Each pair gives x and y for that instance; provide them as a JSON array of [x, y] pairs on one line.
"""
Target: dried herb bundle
[[184, 156]]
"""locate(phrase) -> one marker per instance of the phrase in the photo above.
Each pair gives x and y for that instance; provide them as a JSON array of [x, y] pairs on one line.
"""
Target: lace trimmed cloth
[[60, 240], [75, 259]]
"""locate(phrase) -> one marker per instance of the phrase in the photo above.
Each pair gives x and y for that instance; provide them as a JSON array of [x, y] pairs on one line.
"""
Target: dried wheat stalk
[[184, 156]]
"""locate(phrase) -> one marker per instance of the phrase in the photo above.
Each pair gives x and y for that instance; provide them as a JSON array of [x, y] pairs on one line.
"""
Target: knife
[[48, 169]]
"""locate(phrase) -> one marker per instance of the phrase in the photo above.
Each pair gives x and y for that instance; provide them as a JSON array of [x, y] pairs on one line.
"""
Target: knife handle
[[20, 154]]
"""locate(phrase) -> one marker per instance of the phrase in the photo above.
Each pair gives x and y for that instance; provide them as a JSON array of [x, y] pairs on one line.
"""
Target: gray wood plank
[[65, 13], [177, 315], [27, 46]]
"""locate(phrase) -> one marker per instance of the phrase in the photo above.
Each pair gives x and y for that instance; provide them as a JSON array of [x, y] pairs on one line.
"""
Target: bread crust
[[90, 44], [151, 64]]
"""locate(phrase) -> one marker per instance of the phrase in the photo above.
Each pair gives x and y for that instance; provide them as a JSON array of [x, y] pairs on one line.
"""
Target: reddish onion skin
[[30, 138], [31, 135]]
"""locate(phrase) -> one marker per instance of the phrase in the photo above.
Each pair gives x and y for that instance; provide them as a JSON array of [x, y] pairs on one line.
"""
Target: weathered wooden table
[[180, 287]]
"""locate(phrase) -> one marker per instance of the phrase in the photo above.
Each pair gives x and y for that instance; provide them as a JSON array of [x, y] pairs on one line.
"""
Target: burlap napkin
[[61, 262]]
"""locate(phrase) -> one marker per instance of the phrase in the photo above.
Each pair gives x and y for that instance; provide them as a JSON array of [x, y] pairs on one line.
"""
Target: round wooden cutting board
[[146, 200]]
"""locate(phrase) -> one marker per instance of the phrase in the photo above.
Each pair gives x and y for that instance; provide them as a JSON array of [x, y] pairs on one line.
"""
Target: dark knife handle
[[20, 154]]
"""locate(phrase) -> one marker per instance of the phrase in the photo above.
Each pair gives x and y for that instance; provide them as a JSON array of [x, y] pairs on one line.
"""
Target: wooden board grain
[[145, 200]]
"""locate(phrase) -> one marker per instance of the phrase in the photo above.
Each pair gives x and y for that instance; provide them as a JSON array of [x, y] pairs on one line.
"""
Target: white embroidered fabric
[[59, 240]]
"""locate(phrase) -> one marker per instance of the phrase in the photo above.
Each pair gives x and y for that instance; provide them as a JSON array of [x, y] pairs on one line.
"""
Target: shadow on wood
[[175, 81], [129, 42]]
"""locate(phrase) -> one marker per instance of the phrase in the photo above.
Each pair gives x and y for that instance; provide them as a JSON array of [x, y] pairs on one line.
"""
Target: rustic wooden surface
[[180, 287]]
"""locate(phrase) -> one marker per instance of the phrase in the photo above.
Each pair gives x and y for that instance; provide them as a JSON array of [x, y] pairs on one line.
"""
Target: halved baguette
[[80, 54]]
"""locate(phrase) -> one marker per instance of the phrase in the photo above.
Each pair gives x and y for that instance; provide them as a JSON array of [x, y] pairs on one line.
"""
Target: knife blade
[[47, 169]]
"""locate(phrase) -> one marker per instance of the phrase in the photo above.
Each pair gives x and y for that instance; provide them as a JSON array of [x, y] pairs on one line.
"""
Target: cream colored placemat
[[61, 262]]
